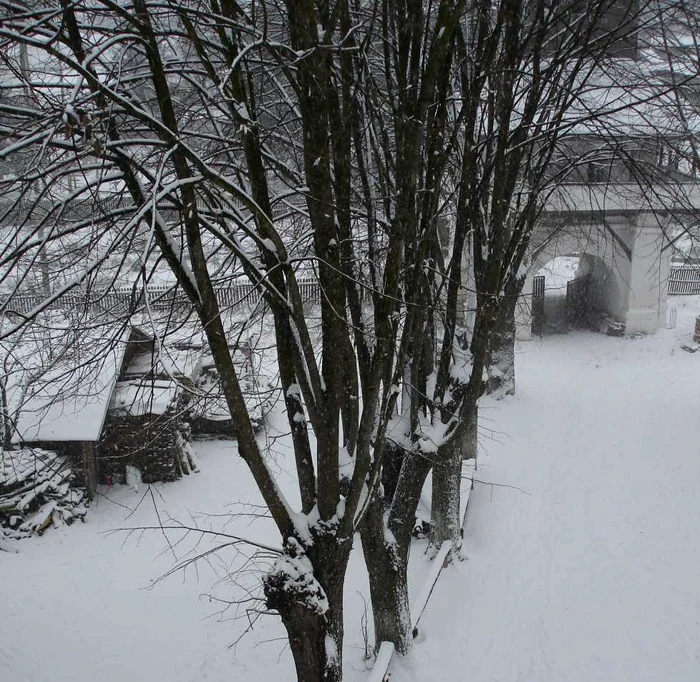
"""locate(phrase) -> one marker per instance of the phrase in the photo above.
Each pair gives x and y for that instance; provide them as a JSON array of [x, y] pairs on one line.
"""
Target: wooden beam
[[89, 468]]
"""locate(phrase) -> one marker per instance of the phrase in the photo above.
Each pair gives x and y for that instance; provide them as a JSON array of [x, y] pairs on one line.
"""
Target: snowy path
[[593, 571]]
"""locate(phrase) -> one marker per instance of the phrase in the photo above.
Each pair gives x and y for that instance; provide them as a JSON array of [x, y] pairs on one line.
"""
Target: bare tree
[[210, 125], [525, 79], [278, 138]]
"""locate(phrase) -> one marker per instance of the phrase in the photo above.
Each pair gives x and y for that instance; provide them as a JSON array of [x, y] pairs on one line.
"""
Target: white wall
[[585, 238]]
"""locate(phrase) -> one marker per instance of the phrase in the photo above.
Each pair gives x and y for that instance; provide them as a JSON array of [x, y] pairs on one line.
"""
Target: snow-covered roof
[[70, 401], [165, 361], [143, 396]]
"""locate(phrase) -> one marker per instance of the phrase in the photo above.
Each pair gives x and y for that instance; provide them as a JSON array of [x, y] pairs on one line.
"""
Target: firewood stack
[[36, 491]]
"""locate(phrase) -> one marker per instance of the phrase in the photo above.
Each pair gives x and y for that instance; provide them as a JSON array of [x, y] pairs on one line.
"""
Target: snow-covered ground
[[581, 542], [76, 604], [93, 603], [582, 539], [558, 273]]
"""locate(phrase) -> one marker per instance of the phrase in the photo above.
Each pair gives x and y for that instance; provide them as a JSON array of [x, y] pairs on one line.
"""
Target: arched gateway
[[623, 239]]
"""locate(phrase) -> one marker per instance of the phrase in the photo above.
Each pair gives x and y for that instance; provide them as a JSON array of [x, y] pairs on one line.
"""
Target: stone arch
[[604, 251]]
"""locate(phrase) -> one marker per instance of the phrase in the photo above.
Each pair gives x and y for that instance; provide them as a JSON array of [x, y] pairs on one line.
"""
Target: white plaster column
[[648, 279]]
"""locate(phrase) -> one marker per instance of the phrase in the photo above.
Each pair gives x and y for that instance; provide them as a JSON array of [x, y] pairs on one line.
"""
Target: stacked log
[[37, 490]]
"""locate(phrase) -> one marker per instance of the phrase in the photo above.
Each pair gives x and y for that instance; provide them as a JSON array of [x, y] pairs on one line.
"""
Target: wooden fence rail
[[157, 298], [684, 280]]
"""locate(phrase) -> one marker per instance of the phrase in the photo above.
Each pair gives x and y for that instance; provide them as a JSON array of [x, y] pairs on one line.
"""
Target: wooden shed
[[109, 412]]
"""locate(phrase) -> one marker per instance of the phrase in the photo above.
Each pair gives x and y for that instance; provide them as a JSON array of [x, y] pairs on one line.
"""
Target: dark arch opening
[[575, 291]]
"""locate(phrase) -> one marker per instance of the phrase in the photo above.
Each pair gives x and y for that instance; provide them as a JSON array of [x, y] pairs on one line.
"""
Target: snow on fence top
[[125, 299]]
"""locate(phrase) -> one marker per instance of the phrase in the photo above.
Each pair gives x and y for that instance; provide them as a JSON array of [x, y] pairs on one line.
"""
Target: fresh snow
[[296, 575], [143, 396], [84, 604], [581, 541], [558, 273], [71, 405], [581, 547]]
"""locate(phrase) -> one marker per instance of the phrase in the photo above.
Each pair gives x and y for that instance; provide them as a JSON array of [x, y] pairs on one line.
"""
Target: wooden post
[[90, 469]]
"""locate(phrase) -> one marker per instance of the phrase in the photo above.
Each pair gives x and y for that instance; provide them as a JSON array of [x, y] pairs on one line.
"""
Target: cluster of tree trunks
[[342, 137]]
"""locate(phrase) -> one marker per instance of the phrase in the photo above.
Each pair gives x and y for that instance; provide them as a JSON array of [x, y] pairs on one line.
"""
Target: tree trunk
[[471, 437], [308, 595], [7, 426], [501, 369], [447, 471], [386, 539], [446, 521], [387, 564], [447, 482], [391, 468]]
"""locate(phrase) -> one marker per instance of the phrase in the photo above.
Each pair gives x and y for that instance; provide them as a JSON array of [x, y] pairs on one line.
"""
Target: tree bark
[[447, 481], [7, 427], [387, 563], [391, 468], [386, 534], [501, 369], [306, 588], [447, 471], [470, 443]]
